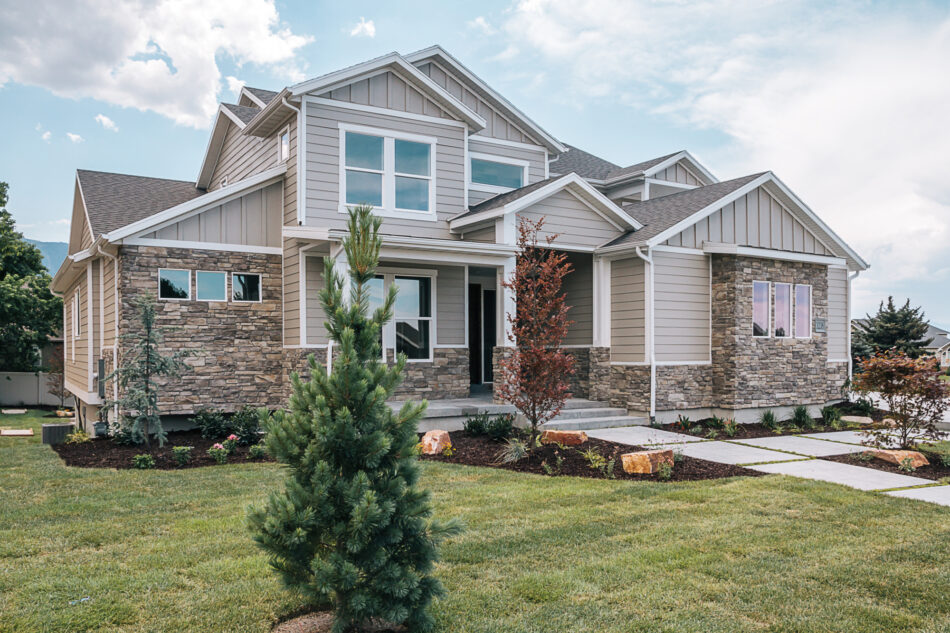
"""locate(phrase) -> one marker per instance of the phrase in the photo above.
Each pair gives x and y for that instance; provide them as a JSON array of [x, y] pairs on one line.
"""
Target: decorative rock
[[17, 432], [646, 462], [897, 457], [889, 422], [13, 411], [856, 419], [434, 442], [567, 438]]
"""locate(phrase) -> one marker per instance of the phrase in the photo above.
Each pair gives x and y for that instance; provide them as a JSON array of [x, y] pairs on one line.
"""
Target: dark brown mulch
[[935, 470], [104, 453], [481, 451]]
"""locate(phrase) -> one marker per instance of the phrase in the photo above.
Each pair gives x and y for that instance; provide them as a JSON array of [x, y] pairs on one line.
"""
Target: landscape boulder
[[897, 457], [567, 438], [434, 442], [857, 419], [646, 462]]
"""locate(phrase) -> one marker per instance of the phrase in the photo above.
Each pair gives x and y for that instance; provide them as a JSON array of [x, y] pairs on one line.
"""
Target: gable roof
[[117, 200], [262, 96], [638, 168], [460, 71], [583, 163], [653, 166], [244, 113]]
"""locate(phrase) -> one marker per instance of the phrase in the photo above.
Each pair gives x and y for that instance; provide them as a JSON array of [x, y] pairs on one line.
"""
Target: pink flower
[[218, 445], [232, 437]]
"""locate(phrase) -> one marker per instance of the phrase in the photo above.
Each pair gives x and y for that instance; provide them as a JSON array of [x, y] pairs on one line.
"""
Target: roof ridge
[[694, 190], [116, 173]]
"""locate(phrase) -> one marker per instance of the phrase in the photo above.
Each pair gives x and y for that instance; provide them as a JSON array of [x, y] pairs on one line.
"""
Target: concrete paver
[[844, 474]]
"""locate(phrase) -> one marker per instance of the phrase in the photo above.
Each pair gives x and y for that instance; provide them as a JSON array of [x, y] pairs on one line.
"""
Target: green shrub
[[936, 451], [831, 416], [678, 455], [246, 424], [219, 453], [77, 437], [598, 462], [907, 465], [712, 434], [143, 462], [863, 406], [496, 427], [664, 472], [801, 419], [512, 451], [769, 421], [716, 422], [475, 425], [257, 451], [182, 454], [212, 424], [682, 423], [730, 428]]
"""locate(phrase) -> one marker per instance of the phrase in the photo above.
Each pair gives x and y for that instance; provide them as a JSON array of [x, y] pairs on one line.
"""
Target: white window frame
[[768, 301], [811, 310], [215, 272], [77, 329], [280, 135], [260, 287], [161, 298], [389, 329], [791, 308], [388, 207], [493, 158]]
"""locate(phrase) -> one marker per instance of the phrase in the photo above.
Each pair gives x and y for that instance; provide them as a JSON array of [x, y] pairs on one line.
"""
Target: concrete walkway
[[793, 455]]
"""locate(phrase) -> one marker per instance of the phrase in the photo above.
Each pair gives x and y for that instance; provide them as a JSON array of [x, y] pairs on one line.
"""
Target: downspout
[[650, 314], [301, 168], [851, 277]]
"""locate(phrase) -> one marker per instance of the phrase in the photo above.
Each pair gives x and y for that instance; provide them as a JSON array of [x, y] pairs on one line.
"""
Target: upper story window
[[283, 145], [391, 171], [174, 284], [496, 171]]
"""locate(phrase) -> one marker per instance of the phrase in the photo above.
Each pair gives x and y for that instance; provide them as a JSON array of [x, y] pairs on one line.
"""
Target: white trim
[[650, 309], [675, 158], [768, 327], [630, 363], [260, 287], [465, 283], [677, 363], [283, 130], [88, 397], [102, 316], [306, 233], [203, 246], [664, 248], [213, 272], [502, 160], [479, 138], [811, 312], [775, 286], [90, 325], [851, 277], [215, 143], [359, 107], [838, 360], [302, 163], [159, 280], [767, 253], [211, 199], [671, 184], [247, 93], [307, 346], [302, 302]]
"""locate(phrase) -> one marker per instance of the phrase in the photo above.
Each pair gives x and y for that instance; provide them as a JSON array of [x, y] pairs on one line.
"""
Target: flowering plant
[[230, 444], [219, 453]]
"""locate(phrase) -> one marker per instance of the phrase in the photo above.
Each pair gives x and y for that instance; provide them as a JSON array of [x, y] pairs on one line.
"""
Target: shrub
[[863, 406], [182, 454], [831, 416], [712, 434], [664, 472], [682, 423], [801, 419], [475, 424], [77, 437], [913, 392], [596, 461], [219, 453], [246, 425], [678, 455], [716, 422], [212, 424], [769, 421], [730, 428], [907, 465], [257, 451], [512, 451], [143, 462], [230, 444], [497, 427]]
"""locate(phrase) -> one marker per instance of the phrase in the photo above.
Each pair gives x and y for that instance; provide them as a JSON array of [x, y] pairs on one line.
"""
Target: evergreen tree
[[139, 415], [351, 529], [892, 328]]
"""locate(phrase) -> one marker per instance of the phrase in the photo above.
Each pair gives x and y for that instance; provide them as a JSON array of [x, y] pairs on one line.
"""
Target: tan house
[[689, 294]]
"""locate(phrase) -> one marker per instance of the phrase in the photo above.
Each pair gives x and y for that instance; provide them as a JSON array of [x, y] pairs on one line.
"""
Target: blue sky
[[846, 102]]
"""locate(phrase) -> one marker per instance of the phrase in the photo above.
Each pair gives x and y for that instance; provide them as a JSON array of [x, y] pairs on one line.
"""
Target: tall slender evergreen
[[352, 530]]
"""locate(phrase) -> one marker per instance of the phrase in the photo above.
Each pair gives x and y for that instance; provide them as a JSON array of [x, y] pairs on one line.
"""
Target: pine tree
[[351, 529], [901, 329]]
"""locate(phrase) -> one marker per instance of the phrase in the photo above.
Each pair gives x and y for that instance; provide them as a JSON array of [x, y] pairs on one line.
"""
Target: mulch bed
[[104, 453], [935, 470], [481, 451]]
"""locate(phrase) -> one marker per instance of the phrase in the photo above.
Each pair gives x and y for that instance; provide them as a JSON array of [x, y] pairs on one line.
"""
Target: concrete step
[[586, 424], [593, 412]]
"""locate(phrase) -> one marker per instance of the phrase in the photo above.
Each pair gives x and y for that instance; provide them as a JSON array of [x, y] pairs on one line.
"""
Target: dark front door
[[475, 333]]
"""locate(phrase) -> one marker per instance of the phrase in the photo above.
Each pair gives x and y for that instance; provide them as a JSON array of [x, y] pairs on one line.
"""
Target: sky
[[846, 102]]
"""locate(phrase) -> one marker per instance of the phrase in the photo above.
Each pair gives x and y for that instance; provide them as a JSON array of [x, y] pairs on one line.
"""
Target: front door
[[481, 333]]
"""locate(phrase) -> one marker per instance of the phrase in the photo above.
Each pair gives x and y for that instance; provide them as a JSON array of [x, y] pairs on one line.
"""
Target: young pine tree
[[900, 329], [351, 529]]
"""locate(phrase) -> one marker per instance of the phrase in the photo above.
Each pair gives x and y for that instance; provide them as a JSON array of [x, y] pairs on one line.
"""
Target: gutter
[[650, 314]]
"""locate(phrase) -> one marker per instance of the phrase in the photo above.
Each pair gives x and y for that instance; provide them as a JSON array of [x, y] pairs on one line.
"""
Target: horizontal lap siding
[[323, 169], [534, 158], [578, 288], [682, 309], [627, 310], [837, 313], [77, 368], [108, 302], [291, 292], [316, 331], [242, 156], [486, 234], [572, 220], [450, 305]]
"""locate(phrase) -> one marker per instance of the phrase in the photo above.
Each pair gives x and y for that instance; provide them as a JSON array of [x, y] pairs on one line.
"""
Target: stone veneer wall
[[591, 378], [446, 376], [236, 350], [579, 381], [630, 387], [684, 387]]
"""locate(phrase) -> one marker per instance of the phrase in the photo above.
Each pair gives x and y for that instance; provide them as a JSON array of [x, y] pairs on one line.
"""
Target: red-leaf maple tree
[[534, 372]]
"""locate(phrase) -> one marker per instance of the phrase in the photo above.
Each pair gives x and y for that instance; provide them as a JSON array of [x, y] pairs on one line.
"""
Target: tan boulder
[[897, 457], [434, 442], [856, 419], [646, 462], [567, 438], [889, 422]]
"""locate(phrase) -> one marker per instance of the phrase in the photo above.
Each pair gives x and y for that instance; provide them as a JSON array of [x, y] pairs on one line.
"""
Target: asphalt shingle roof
[[244, 113], [639, 167], [117, 200], [509, 196], [658, 214], [582, 163], [264, 95]]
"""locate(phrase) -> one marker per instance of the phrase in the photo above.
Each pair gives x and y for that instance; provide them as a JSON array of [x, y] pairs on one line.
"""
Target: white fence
[[24, 388]]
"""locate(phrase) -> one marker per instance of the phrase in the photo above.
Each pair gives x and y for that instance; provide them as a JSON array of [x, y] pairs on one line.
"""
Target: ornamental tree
[[902, 329], [351, 529], [915, 396], [535, 371]]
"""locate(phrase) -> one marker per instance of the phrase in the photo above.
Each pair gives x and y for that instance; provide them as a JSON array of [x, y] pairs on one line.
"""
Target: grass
[[168, 551]]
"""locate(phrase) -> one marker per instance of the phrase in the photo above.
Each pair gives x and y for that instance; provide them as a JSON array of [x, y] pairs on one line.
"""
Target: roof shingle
[[244, 113], [582, 163], [639, 168], [264, 95]]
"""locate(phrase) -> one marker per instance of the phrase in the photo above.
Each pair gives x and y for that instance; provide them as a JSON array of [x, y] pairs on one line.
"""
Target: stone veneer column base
[[446, 376]]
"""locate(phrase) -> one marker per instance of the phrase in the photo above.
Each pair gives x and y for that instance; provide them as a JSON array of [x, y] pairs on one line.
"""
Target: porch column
[[506, 305], [601, 307]]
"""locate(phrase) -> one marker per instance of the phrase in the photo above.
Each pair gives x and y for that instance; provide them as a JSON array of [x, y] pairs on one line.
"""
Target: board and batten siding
[[253, 219], [678, 173], [627, 311], [837, 313], [755, 219], [578, 289], [573, 221], [387, 90], [323, 169], [498, 125], [681, 307]]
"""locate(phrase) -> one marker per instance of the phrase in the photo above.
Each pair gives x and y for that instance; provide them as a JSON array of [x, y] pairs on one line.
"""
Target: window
[[77, 330], [497, 174], [245, 287], [211, 286], [413, 314], [283, 145], [783, 310], [391, 173], [802, 311], [760, 308], [174, 284]]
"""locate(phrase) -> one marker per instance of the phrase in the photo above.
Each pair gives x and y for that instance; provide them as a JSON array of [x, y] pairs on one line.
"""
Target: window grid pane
[[211, 286], [364, 151], [802, 311], [760, 308], [414, 297], [412, 338], [412, 193], [245, 287], [783, 310], [364, 188], [488, 172], [412, 158], [174, 284]]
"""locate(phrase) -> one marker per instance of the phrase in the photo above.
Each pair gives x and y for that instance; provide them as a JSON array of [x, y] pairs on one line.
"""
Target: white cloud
[[106, 122], [364, 28], [235, 84], [481, 24], [847, 105], [157, 56], [75, 138], [46, 136]]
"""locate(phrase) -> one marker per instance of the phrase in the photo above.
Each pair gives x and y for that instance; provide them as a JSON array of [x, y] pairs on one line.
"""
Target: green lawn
[[168, 551]]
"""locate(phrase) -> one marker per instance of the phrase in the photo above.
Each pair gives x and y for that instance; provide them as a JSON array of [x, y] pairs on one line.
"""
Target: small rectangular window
[[245, 287], [284, 145], [783, 310], [488, 172], [802, 311], [77, 330], [760, 308], [174, 284], [211, 286]]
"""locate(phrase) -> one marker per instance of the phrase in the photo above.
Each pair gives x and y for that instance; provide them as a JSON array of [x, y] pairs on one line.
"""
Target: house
[[689, 294]]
